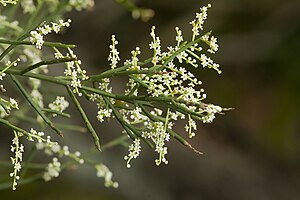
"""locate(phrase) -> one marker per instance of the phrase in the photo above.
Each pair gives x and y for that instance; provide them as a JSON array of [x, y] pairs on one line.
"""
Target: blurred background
[[252, 152]]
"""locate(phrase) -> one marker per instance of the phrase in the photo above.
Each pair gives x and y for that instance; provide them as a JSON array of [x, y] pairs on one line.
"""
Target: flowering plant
[[160, 90]]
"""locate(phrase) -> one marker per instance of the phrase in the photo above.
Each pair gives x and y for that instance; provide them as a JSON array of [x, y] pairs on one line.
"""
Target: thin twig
[[7, 123], [34, 105], [46, 62], [49, 44], [56, 112], [85, 119], [128, 127]]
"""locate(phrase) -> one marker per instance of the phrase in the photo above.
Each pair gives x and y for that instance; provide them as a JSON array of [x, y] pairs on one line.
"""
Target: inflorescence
[[160, 91]]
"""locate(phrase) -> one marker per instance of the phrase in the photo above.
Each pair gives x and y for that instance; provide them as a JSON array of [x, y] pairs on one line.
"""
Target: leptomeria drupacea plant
[[160, 90]]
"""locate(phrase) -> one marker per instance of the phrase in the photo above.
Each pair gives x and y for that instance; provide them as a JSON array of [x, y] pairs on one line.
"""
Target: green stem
[[46, 62], [186, 110], [49, 44], [56, 112], [160, 119], [115, 142], [126, 98], [7, 123], [85, 119], [113, 72], [34, 105], [173, 133], [72, 128], [3, 104], [128, 127]]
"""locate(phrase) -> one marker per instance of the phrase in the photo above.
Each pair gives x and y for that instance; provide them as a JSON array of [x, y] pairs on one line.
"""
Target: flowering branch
[[160, 90]]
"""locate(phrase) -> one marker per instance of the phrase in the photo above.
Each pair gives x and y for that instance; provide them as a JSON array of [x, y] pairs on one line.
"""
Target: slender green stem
[[72, 128], [48, 44], [126, 98], [115, 142], [7, 123], [56, 112], [34, 105], [120, 119], [46, 62], [140, 82], [173, 133], [159, 119], [113, 72], [128, 127], [4, 105], [186, 110], [85, 119]]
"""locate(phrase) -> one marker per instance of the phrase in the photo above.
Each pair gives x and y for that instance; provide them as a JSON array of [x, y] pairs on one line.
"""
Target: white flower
[[13, 103], [28, 6], [37, 39], [37, 36], [18, 150], [104, 172], [52, 170], [134, 151], [5, 2], [155, 45], [81, 4], [114, 54], [60, 104], [199, 21], [37, 97], [104, 113], [179, 37]]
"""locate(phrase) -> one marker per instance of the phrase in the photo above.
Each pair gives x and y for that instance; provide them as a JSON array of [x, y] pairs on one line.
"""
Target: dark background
[[252, 152]]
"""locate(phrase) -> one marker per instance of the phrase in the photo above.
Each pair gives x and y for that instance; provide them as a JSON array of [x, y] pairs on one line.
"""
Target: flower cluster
[[81, 4], [190, 127], [104, 172], [60, 104], [211, 110], [5, 2], [158, 134], [168, 81], [151, 130], [52, 170], [103, 111], [208, 62], [18, 150], [28, 6], [8, 65], [155, 45], [56, 149], [134, 151], [37, 36], [211, 42], [114, 54], [35, 94], [73, 70], [7, 106], [199, 21]]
